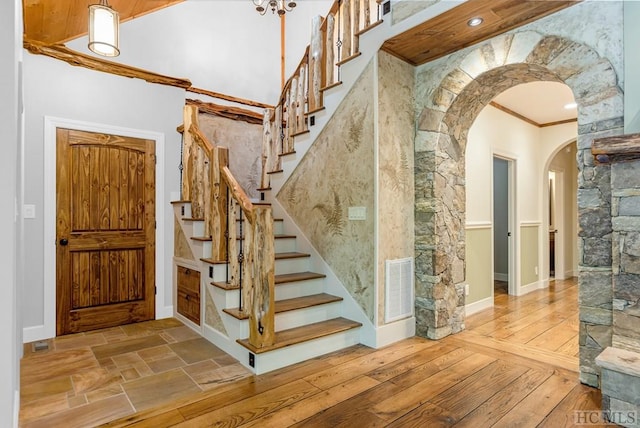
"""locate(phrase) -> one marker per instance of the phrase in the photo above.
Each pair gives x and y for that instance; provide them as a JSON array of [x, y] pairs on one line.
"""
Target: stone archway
[[449, 108]]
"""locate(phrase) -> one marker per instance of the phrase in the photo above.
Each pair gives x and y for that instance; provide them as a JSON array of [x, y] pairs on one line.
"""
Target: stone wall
[[450, 94]]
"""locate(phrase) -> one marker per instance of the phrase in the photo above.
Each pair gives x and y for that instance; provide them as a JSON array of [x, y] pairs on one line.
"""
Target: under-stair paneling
[[395, 159], [212, 317], [336, 173], [244, 141], [181, 247]]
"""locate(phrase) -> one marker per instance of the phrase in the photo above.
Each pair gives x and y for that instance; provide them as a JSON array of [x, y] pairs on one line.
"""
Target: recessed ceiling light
[[474, 22], [570, 106]]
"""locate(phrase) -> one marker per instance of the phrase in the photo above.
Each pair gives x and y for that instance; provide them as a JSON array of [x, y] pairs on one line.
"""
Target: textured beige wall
[[336, 173], [396, 132], [529, 254], [479, 263], [403, 9], [244, 141], [180, 244]]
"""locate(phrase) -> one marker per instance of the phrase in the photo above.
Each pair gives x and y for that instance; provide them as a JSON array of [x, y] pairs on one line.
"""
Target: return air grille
[[398, 289]]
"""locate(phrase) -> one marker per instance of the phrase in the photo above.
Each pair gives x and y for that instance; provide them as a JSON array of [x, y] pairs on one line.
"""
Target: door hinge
[[155, 290], [155, 224]]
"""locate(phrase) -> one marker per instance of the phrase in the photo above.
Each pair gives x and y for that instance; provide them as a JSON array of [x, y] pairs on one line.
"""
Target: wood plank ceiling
[[58, 21], [449, 32]]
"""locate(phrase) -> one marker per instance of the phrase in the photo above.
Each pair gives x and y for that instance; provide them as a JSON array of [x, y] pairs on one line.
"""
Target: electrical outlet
[[357, 213], [386, 7], [252, 360], [312, 121], [210, 271]]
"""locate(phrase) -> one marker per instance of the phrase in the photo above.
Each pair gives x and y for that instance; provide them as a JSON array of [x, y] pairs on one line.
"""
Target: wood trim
[[559, 122], [369, 28], [349, 58], [513, 113], [331, 86], [75, 58], [526, 119], [616, 148], [228, 112], [227, 97]]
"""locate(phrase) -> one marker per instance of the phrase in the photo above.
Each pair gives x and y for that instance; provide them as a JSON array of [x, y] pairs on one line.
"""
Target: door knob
[[64, 242]]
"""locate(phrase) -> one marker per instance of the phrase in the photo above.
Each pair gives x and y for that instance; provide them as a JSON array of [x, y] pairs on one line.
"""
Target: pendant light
[[104, 28]]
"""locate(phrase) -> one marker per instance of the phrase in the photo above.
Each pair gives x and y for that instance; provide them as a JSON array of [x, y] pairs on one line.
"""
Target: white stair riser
[[197, 227], [285, 245], [303, 351], [201, 249], [298, 264], [300, 317], [290, 290]]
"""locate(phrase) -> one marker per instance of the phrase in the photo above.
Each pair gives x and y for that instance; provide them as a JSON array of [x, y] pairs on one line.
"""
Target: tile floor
[[86, 379]]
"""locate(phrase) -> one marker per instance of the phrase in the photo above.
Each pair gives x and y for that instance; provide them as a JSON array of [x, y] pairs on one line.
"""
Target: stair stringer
[[350, 72]]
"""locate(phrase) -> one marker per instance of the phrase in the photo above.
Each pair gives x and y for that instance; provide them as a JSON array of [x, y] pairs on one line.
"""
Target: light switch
[[357, 213], [29, 211]]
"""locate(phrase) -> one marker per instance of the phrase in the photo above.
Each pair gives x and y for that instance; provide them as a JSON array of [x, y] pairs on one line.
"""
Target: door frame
[[513, 265], [558, 205], [48, 329]]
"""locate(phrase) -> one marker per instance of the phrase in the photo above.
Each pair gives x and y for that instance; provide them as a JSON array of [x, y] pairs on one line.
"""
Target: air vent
[[398, 289]]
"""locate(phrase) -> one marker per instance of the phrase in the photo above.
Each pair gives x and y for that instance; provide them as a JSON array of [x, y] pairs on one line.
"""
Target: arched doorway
[[448, 109]]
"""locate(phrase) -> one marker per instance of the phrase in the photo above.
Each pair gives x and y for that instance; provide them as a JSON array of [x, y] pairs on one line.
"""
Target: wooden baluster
[[277, 139], [207, 193], [315, 61], [275, 164], [196, 189], [219, 219], [248, 268], [189, 115], [292, 111], [234, 266], [367, 13], [356, 25], [300, 102], [262, 318], [346, 30], [329, 58], [267, 146], [285, 122]]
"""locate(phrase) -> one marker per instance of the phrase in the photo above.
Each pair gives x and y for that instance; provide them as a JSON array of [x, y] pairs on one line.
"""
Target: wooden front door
[[105, 256]]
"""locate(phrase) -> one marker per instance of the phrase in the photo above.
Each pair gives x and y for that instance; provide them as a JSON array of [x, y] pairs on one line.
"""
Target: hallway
[[515, 364]]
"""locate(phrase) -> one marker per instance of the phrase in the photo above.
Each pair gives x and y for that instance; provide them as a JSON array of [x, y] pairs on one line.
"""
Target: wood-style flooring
[[514, 365]]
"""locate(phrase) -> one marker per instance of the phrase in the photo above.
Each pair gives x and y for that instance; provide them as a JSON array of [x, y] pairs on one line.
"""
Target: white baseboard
[[36, 332], [16, 408], [478, 306], [164, 312], [395, 331], [501, 276], [526, 289]]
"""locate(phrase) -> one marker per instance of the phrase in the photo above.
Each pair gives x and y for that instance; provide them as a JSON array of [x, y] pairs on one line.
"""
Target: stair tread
[[202, 238], [276, 236], [291, 304], [297, 276], [302, 334], [192, 218], [278, 279], [291, 255], [181, 201], [212, 261]]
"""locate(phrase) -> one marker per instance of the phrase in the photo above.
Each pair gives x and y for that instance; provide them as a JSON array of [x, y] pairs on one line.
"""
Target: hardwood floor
[[515, 365]]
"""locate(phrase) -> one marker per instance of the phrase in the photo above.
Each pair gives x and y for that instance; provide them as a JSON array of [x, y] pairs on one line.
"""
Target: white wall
[[10, 337], [224, 46], [631, 67], [54, 88]]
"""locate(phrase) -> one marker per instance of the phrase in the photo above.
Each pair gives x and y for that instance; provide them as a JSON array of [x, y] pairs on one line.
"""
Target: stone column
[[620, 363]]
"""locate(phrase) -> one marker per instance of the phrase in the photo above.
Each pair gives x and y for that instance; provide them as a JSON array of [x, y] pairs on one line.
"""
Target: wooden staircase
[[308, 321]]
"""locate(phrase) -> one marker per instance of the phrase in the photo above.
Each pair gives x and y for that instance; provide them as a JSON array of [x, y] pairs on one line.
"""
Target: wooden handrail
[[238, 194], [199, 138]]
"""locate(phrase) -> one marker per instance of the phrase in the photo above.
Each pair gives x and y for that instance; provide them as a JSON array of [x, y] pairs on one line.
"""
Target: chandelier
[[104, 23], [276, 6]]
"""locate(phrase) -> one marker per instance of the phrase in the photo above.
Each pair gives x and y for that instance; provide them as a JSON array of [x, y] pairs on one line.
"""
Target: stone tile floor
[[91, 378]]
